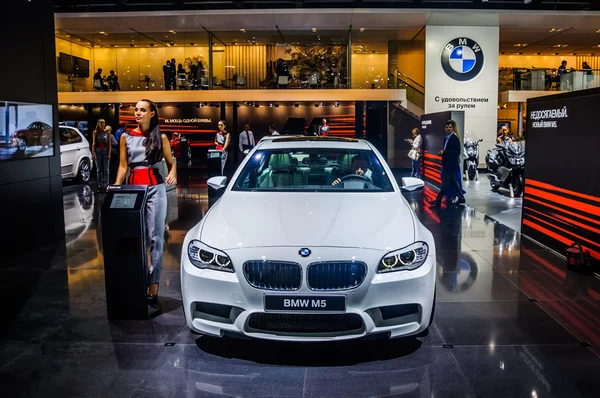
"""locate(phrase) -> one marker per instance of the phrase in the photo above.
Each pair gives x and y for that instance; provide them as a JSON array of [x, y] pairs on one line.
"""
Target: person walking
[[450, 166], [101, 146], [142, 151]]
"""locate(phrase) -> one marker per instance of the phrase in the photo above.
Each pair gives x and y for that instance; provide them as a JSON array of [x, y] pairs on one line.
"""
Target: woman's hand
[[93, 156], [171, 179]]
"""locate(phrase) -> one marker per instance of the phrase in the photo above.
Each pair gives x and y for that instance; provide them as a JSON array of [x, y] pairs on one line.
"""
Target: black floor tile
[[190, 371], [530, 371], [498, 322], [78, 370], [426, 372], [581, 317], [471, 284]]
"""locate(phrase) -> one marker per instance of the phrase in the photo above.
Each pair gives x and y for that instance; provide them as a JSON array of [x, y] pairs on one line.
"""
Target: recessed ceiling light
[[171, 31], [314, 29], [243, 30], [102, 33], [598, 31], [362, 29]]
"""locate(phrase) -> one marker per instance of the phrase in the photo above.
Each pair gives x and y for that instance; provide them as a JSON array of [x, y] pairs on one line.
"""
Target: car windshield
[[318, 169]]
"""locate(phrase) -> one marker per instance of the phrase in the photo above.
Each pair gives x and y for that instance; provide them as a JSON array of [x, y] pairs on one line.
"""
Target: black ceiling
[[160, 5]]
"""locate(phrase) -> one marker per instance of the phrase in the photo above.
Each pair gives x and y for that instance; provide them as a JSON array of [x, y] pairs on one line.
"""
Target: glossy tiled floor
[[510, 321]]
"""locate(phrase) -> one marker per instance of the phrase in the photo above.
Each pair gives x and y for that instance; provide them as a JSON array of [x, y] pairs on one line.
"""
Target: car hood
[[251, 219]]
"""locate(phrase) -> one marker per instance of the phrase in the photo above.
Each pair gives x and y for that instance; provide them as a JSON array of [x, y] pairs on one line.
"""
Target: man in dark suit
[[450, 165]]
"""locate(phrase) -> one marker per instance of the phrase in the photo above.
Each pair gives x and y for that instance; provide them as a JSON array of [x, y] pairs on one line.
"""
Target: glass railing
[[545, 79], [415, 91]]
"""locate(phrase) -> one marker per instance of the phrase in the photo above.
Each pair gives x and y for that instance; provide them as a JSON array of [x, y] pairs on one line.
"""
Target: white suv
[[75, 154]]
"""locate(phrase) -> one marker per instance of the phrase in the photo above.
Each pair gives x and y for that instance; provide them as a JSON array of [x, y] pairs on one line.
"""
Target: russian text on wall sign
[[462, 102], [188, 121], [539, 116]]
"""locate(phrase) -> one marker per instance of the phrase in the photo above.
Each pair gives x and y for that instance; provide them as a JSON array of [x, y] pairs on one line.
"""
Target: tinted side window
[[68, 136]]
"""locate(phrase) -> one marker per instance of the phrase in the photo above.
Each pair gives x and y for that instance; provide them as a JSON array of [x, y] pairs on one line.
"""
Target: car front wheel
[[85, 171]]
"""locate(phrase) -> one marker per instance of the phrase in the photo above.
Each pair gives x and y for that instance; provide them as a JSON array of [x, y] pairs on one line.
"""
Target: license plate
[[305, 303]]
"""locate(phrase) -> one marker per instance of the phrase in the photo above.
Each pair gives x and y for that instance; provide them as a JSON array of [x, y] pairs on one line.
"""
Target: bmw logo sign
[[462, 59], [304, 252]]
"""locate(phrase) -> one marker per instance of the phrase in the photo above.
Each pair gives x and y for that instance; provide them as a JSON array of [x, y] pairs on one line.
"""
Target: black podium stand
[[125, 257], [214, 170]]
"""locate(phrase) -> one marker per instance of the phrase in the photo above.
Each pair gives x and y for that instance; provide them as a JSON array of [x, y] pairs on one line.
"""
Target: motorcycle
[[471, 151], [505, 166]]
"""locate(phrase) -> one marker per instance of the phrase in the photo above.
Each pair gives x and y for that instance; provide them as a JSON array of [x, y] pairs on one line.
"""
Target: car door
[[69, 144]]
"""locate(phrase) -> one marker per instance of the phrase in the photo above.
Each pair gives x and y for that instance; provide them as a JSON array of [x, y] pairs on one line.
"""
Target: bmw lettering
[[311, 303], [462, 59]]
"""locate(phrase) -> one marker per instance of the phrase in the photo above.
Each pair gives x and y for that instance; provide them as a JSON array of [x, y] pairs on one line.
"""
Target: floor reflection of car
[[36, 134], [176, 142], [312, 240], [79, 210], [75, 154]]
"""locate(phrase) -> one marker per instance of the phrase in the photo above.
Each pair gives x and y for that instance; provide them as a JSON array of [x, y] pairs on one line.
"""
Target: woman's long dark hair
[[154, 153]]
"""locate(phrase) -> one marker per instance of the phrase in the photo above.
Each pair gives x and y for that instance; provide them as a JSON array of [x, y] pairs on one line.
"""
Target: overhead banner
[[461, 74]]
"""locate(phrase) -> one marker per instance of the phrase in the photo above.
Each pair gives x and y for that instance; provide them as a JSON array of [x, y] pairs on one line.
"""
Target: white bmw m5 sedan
[[311, 240]]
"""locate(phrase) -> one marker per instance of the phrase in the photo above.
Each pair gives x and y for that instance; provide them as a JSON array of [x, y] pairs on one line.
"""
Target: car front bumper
[[396, 303]]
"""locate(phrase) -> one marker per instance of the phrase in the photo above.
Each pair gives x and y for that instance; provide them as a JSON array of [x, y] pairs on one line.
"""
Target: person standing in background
[[167, 75], [173, 74], [113, 81], [101, 146], [272, 130], [141, 152], [415, 141], [450, 166], [113, 163], [589, 75], [246, 140], [324, 128], [122, 129], [222, 140]]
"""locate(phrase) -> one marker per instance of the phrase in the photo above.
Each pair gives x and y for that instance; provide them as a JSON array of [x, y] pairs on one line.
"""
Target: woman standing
[[142, 151], [415, 152], [323, 128], [222, 141], [504, 137], [101, 147]]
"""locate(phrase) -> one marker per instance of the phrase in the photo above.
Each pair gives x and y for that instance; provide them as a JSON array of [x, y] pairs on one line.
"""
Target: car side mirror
[[217, 182], [412, 183]]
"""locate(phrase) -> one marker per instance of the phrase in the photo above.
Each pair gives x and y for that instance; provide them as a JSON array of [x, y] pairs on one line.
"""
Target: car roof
[[302, 141]]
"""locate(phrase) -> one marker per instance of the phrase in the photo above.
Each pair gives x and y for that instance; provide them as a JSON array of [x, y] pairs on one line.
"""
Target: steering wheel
[[355, 177]]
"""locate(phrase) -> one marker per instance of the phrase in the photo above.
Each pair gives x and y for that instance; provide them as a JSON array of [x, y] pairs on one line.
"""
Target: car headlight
[[204, 256], [406, 259]]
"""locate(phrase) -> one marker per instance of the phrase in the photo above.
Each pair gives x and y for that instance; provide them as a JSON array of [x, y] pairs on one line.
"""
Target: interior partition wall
[[30, 189], [561, 203]]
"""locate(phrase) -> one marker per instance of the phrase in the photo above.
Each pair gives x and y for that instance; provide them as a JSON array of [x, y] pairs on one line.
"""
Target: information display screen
[[123, 201]]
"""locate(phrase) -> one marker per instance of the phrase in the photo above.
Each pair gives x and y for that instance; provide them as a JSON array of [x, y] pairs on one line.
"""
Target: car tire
[[84, 171], [22, 145], [471, 173], [518, 187]]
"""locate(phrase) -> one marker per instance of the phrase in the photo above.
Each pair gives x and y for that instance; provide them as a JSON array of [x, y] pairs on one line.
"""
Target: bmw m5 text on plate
[[311, 240]]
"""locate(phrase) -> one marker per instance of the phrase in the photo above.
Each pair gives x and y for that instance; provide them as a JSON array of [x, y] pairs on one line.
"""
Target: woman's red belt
[[145, 176], [101, 145]]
